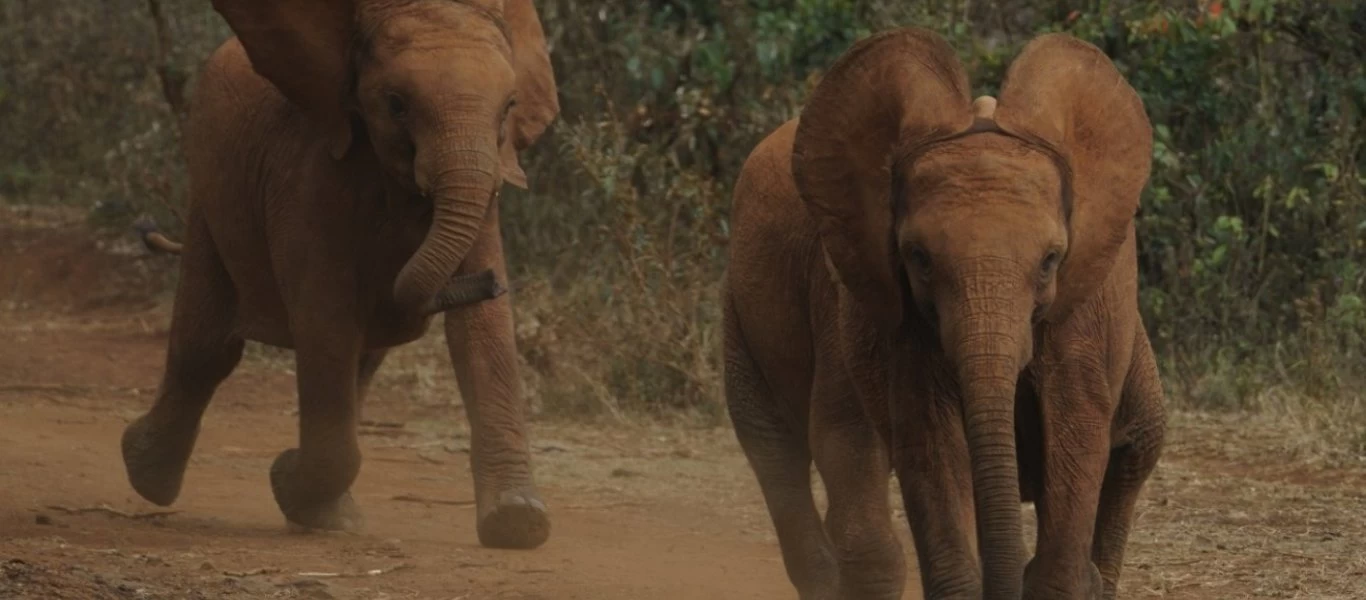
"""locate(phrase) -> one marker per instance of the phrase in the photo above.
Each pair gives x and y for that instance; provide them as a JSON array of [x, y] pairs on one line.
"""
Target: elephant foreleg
[[930, 454], [479, 336], [854, 467], [1076, 410], [311, 483], [1142, 427], [370, 360]]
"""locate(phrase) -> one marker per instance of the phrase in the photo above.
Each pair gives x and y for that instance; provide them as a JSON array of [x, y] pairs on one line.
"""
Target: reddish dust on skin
[[638, 511]]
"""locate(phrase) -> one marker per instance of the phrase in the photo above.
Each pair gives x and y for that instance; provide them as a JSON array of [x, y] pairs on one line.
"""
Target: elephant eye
[[921, 261], [503, 121], [1050, 262], [397, 107]]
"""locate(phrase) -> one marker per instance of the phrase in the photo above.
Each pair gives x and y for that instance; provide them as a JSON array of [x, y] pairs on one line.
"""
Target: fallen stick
[[111, 511], [68, 389], [412, 498], [605, 505], [369, 573], [431, 459], [260, 571]]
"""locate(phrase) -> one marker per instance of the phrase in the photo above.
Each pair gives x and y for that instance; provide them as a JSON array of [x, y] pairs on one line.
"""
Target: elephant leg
[[1142, 420], [203, 350], [783, 469], [370, 360], [1076, 410], [510, 512], [311, 483], [930, 454], [781, 462], [853, 465]]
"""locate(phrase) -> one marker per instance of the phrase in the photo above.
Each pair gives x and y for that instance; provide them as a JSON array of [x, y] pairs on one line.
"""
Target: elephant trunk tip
[[466, 290], [459, 291]]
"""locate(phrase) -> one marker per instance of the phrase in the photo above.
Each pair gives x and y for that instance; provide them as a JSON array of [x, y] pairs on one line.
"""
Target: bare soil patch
[[640, 510]]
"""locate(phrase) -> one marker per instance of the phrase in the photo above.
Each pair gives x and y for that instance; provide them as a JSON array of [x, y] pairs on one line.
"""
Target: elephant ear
[[537, 96], [1065, 94], [300, 46], [894, 90]]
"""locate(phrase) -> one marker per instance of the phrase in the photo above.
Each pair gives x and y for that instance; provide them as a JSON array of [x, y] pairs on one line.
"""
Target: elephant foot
[[155, 461], [341, 514], [1087, 585], [891, 590], [518, 521], [1096, 586], [824, 588], [304, 508]]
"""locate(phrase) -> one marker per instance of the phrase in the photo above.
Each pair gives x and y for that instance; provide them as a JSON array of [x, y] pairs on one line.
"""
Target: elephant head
[[444, 93], [981, 220]]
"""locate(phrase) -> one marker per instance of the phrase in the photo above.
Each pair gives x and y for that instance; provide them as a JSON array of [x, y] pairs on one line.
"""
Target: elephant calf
[[345, 160], [949, 289]]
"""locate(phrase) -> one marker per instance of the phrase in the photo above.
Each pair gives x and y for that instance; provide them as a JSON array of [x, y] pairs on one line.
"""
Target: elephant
[[345, 159], [946, 289]]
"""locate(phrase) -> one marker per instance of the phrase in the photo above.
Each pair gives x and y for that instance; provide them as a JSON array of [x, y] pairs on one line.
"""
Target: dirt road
[[640, 511]]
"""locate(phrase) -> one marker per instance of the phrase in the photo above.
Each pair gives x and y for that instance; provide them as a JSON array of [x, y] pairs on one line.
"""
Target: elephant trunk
[[989, 352], [460, 180]]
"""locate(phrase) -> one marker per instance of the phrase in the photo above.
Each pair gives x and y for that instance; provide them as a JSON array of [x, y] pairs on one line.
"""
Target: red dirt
[[639, 511]]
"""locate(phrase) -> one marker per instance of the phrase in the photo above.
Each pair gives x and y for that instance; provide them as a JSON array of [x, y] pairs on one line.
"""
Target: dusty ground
[[1236, 509]]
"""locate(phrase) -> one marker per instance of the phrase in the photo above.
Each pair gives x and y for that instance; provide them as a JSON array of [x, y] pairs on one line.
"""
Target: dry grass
[[1238, 509]]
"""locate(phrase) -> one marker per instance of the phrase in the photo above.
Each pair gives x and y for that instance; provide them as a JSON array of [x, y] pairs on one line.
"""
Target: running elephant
[[345, 159]]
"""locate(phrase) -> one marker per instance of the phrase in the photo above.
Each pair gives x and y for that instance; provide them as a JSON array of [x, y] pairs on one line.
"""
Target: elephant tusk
[[464, 290]]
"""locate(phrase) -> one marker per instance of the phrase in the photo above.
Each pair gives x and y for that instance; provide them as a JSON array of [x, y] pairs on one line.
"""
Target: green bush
[[1252, 228]]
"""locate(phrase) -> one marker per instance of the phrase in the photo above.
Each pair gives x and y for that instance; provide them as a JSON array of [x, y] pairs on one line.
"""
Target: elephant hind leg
[[781, 461], [1142, 423], [203, 350], [782, 466]]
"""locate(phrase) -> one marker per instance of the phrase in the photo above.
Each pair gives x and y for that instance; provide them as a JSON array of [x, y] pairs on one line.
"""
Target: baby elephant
[[345, 160], [949, 289]]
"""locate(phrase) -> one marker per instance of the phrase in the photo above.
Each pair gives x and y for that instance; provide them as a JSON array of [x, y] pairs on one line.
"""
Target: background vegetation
[[1252, 231]]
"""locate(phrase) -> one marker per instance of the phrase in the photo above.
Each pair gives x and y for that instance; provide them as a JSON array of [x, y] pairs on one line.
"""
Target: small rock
[[551, 446], [310, 588], [151, 559], [207, 566], [42, 519], [304, 583], [620, 472]]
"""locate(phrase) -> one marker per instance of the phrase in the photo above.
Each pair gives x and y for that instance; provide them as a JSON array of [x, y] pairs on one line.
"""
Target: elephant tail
[[154, 239]]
